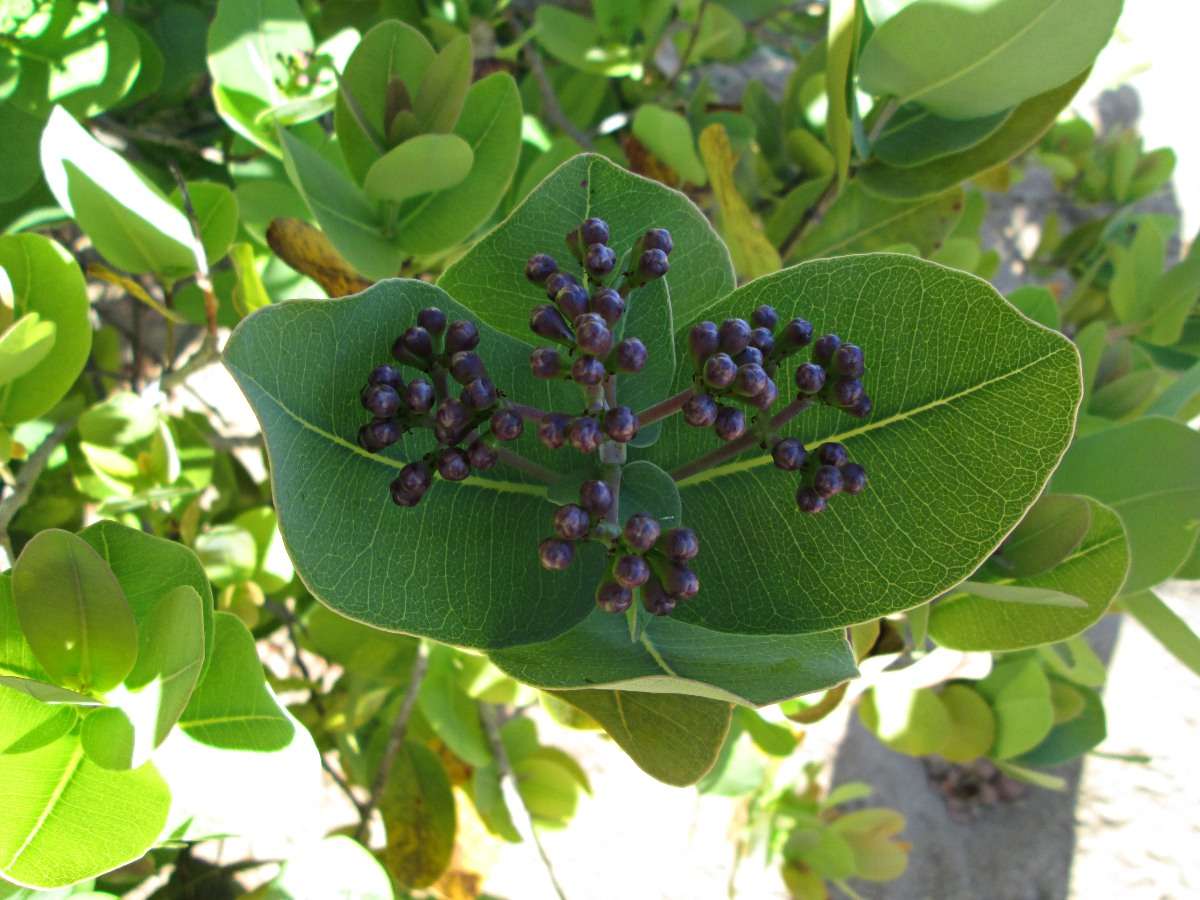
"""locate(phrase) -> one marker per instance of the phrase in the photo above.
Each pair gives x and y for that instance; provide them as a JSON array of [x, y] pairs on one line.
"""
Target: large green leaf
[[419, 814], [491, 125], [1021, 130], [66, 819], [26, 722], [860, 222], [1019, 693], [390, 52], [968, 58], [841, 44], [249, 43], [914, 136], [73, 612], [232, 708], [149, 568], [490, 277], [128, 219], [45, 280], [1154, 488], [1094, 573], [427, 162], [348, 218], [362, 555], [673, 738], [955, 451]]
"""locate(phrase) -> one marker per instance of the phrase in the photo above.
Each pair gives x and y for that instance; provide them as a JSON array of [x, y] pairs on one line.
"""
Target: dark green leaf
[[439, 100], [915, 136], [1052, 529]]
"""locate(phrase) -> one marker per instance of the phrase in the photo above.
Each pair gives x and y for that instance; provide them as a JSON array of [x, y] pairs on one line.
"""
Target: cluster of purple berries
[[641, 555], [825, 473], [466, 427], [582, 323]]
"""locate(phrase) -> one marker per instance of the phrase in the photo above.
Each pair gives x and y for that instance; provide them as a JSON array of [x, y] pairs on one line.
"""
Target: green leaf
[[913, 722], [50, 694], [1019, 693], [928, 518], [218, 791], [972, 725], [1136, 272], [1155, 490], [649, 316], [1072, 738], [915, 136], [348, 218], [1175, 291], [439, 100], [390, 54], [721, 34], [452, 714], [1002, 53], [150, 568], [491, 124], [427, 162], [1178, 401], [73, 820], [669, 137], [46, 282], [490, 277], [73, 612], [361, 650], [1165, 626], [859, 222], [129, 220], [419, 814], [675, 739], [336, 867], [484, 590], [216, 211], [1052, 530], [273, 567], [1038, 303], [248, 44], [170, 657], [841, 42], [1021, 130], [576, 41], [986, 617], [228, 554], [232, 708], [753, 254], [23, 345], [22, 131], [122, 419], [548, 789]]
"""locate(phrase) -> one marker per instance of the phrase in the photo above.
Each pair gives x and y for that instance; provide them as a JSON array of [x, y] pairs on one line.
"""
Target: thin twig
[[31, 470], [664, 408], [203, 281], [512, 797], [690, 46], [811, 219], [127, 134], [395, 741], [551, 110], [745, 442], [885, 114], [201, 359]]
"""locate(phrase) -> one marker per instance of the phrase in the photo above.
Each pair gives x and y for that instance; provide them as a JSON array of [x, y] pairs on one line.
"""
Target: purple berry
[[546, 321], [762, 340], [809, 500], [588, 370], [432, 320], [452, 414], [734, 335], [719, 371], [749, 355], [680, 544], [585, 435], [631, 571], [641, 532], [419, 396], [658, 239], [653, 264], [594, 231], [607, 304], [545, 362], [466, 366], [766, 399], [827, 481], [796, 333], [824, 347], [765, 317], [833, 454], [854, 478], [730, 424], [848, 361], [810, 378], [415, 478], [540, 267], [557, 282], [556, 555], [656, 600], [592, 335], [386, 375], [461, 335], [700, 411], [482, 456], [506, 424], [452, 464], [376, 436], [480, 394], [600, 260], [631, 355], [571, 522], [613, 598], [751, 380], [571, 301], [596, 497], [862, 407], [789, 454], [402, 498], [621, 424], [381, 401], [846, 391], [703, 341], [552, 430], [417, 341], [680, 582]]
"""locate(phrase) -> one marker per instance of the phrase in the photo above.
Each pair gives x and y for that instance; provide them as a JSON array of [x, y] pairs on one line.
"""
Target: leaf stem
[[395, 741], [31, 470], [749, 439], [665, 408], [522, 820]]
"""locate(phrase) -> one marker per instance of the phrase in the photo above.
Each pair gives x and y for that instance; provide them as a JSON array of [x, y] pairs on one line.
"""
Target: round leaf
[[46, 281], [972, 725], [427, 162], [73, 612], [915, 723], [1019, 693]]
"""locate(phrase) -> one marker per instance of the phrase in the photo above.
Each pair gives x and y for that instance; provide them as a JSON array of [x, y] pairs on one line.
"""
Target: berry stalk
[[737, 446], [665, 408]]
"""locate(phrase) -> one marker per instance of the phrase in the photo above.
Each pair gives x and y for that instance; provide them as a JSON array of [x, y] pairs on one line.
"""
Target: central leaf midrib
[[742, 465], [512, 487]]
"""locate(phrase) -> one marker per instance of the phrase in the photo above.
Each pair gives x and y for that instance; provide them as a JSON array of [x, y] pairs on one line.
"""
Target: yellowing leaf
[[753, 254], [309, 252]]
